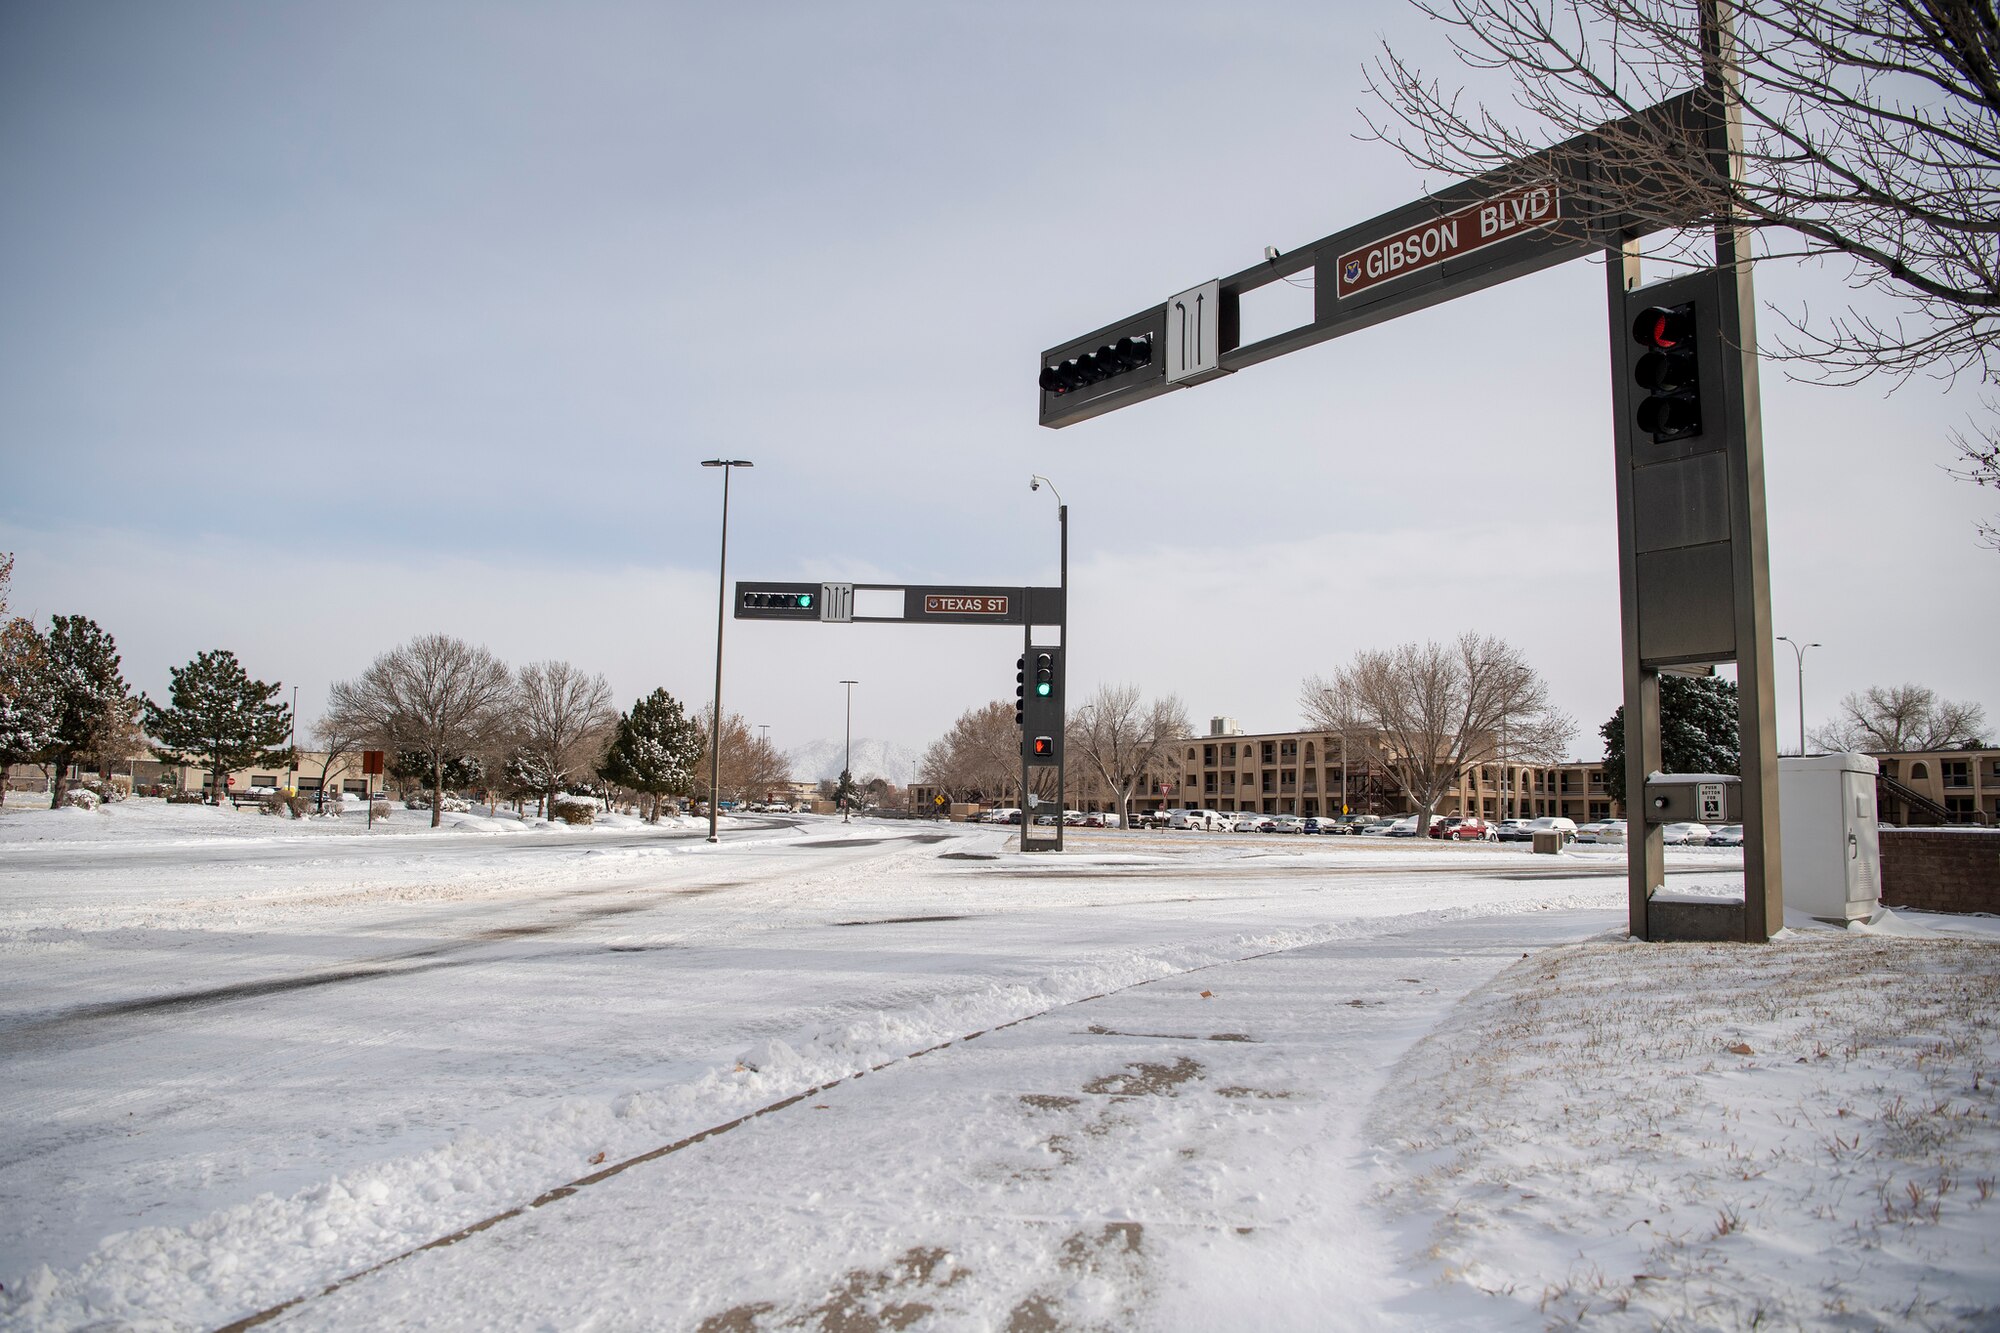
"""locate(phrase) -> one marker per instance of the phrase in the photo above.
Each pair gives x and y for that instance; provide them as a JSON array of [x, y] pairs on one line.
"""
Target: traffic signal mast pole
[[1040, 703], [1694, 570]]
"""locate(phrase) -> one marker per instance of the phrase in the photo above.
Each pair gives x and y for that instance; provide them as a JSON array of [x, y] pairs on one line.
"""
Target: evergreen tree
[[845, 791], [27, 697], [219, 719], [655, 749], [1697, 731], [84, 677]]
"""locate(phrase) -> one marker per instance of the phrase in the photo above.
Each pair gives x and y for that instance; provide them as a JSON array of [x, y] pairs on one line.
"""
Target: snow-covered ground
[[1223, 1082]]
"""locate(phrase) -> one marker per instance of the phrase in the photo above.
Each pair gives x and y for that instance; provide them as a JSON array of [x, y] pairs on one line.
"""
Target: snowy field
[[826, 1076]]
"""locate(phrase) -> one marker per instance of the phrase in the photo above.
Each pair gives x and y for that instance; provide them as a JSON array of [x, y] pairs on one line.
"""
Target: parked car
[[1377, 827], [1553, 824], [1726, 835], [1441, 827], [1406, 827], [1245, 821], [1314, 824], [1684, 835], [1284, 824], [1513, 830], [1200, 819], [1602, 831], [1470, 829], [1004, 815]]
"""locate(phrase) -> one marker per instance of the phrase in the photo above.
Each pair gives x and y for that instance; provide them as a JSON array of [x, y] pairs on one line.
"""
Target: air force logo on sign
[[1352, 273]]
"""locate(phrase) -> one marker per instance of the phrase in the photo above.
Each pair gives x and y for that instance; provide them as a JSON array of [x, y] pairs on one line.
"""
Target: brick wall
[[1941, 870]]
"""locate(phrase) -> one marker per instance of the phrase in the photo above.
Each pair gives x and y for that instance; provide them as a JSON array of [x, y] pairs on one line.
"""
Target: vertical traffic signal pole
[[1645, 845], [1027, 770], [1756, 664], [1062, 682]]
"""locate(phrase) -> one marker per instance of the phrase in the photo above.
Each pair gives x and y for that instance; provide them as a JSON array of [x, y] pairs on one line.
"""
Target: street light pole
[[727, 465], [1062, 751], [847, 764], [293, 789], [1800, 653]]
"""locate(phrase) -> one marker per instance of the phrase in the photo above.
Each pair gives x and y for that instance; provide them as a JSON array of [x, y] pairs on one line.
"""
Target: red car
[[1463, 828]]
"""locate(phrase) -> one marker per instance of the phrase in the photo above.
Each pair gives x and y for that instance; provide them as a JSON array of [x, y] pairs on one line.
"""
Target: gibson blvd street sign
[[1471, 228]]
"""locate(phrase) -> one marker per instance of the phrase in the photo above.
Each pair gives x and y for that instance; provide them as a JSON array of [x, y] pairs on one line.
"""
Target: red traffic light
[[1664, 328], [1668, 372], [1044, 746]]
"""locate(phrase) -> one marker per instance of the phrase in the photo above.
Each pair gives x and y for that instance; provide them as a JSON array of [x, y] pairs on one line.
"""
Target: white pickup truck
[[1211, 820]]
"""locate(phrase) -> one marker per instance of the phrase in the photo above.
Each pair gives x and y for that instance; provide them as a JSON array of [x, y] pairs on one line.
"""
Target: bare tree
[[436, 696], [1980, 454], [1437, 710], [751, 765], [338, 735], [1870, 134], [1901, 717], [979, 757], [560, 721], [115, 739], [1121, 736]]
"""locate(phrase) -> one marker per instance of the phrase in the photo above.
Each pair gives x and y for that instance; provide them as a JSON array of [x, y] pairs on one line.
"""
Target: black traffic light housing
[[1107, 362], [1020, 690], [1668, 372], [1041, 705], [777, 601]]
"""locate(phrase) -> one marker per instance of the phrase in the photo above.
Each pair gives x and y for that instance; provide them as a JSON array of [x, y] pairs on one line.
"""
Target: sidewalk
[[1189, 1153]]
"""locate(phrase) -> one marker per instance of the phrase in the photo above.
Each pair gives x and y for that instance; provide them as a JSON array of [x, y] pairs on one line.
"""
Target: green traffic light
[[1044, 689], [805, 599]]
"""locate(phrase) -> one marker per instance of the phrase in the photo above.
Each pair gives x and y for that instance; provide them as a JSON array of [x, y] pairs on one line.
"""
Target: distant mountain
[[817, 761]]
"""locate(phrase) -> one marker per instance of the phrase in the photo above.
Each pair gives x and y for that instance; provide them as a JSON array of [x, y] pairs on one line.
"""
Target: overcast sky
[[328, 325]]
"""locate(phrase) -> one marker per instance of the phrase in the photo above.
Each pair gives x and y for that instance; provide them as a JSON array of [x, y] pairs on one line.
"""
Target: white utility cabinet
[[1832, 854]]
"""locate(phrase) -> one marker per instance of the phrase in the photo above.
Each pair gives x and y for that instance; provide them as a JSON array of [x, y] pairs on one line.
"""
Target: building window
[[1955, 772], [1960, 808], [1270, 753], [1920, 771], [1208, 756]]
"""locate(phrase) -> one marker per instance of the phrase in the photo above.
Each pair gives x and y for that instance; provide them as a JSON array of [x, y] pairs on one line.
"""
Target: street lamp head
[[1034, 483], [727, 462]]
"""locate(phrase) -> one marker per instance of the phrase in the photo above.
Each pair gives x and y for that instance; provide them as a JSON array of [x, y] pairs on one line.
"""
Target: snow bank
[[1798, 1135]]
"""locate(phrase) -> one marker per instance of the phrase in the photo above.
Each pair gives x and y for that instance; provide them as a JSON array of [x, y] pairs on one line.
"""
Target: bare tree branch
[[1871, 134]]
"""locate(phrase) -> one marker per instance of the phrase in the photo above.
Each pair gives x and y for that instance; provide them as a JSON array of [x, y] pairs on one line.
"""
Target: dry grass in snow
[[1698, 1136]]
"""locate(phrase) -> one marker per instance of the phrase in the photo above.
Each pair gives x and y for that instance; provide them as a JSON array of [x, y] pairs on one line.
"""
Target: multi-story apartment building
[[1964, 784], [1316, 773]]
